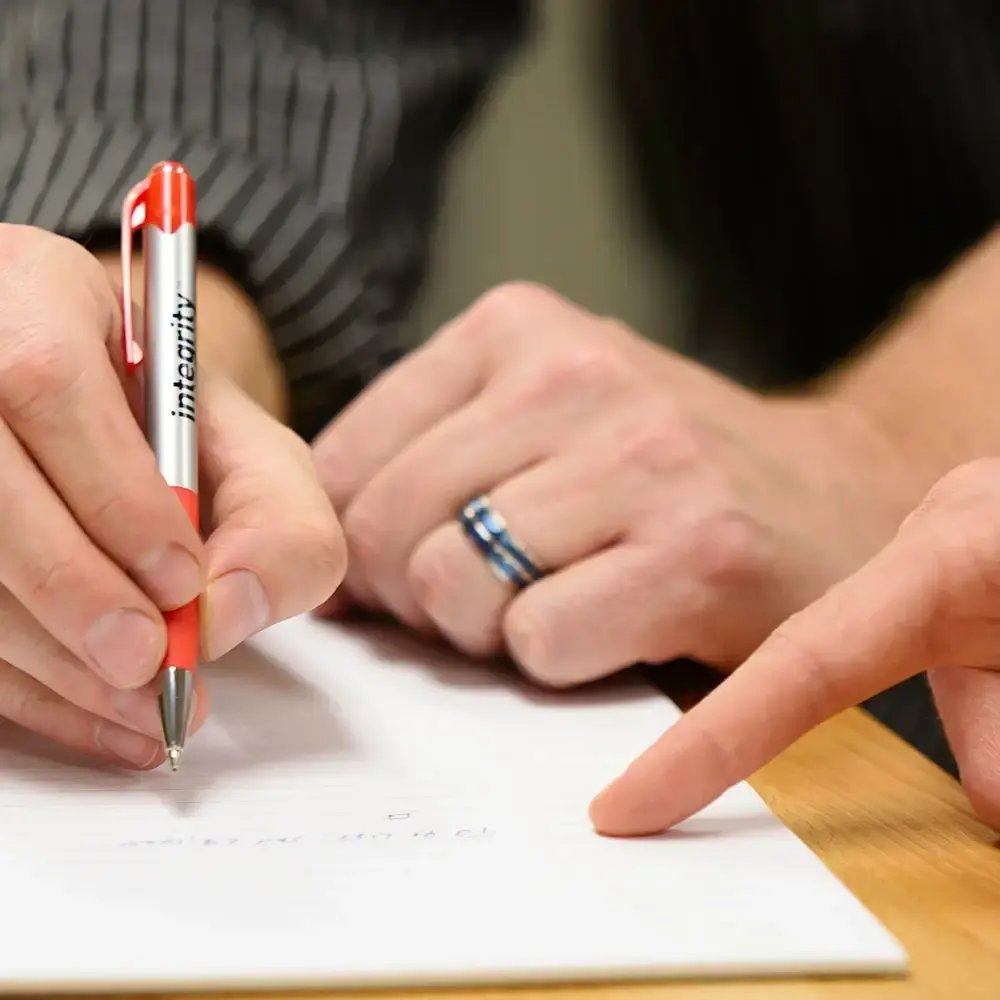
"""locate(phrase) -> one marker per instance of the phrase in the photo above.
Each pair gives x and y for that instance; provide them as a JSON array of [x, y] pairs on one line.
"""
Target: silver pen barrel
[[171, 357]]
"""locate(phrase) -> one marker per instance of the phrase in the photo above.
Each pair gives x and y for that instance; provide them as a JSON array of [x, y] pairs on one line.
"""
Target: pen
[[163, 207]]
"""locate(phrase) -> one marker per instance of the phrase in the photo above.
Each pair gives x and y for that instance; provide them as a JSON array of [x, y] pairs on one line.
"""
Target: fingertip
[[667, 783], [134, 750], [158, 758], [126, 647], [601, 816], [614, 813]]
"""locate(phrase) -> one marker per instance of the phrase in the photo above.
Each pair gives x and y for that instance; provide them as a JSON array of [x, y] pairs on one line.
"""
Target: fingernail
[[237, 608], [126, 647], [171, 577], [133, 748], [139, 710]]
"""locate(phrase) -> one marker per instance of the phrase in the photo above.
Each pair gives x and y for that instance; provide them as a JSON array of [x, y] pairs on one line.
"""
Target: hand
[[676, 514], [930, 601], [95, 545]]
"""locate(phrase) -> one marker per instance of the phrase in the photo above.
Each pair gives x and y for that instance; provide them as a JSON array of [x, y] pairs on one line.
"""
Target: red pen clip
[[133, 217]]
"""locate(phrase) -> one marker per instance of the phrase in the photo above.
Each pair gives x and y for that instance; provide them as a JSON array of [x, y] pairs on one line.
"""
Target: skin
[[233, 339], [927, 602], [95, 546], [676, 513]]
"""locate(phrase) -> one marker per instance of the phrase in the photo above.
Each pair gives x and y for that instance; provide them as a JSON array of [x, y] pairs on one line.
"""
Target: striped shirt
[[810, 159], [317, 131]]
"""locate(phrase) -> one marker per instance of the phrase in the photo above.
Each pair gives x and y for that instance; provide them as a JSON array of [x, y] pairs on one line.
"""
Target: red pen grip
[[183, 629]]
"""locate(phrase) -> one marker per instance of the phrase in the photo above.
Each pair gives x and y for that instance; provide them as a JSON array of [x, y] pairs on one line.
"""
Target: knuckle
[[38, 374], [657, 442], [619, 332], [586, 368], [49, 581], [111, 510], [19, 246], [498, 312], [439, 586], [529, 640], [506, 300], [31, 259], [431, 575], [28, 254], [727, 550], [579, 376]]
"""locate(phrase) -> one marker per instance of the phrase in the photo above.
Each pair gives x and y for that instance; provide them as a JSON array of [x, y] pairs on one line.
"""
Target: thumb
[[865, 635], [275, 549]]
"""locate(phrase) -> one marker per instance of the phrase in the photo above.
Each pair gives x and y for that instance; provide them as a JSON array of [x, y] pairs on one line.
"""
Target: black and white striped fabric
[[317, 131]]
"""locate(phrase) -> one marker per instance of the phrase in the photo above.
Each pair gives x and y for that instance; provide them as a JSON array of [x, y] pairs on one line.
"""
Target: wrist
[[233, 338], [858, 464], [926, 385], [899, 414]]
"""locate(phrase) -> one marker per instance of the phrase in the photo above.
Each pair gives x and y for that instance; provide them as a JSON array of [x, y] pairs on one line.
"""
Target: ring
[[507, 558]]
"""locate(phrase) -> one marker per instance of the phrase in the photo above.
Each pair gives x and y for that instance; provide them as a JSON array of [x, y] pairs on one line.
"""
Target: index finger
[[60, 395], [865, 635]]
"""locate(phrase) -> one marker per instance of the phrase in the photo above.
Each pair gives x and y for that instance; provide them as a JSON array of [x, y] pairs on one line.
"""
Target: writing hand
[[94, 544], [930, 601]]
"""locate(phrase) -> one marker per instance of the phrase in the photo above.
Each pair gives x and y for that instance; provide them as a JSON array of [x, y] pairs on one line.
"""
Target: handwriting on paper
[[347, 837]]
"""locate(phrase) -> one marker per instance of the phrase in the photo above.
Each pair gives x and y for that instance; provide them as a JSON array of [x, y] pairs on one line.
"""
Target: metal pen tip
[[174, 756]]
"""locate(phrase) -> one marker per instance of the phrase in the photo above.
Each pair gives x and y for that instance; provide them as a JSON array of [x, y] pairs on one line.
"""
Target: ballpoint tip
[[174, 756]]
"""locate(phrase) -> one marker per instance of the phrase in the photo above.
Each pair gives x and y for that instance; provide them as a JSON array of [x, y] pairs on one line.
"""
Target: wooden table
[[899, 833]]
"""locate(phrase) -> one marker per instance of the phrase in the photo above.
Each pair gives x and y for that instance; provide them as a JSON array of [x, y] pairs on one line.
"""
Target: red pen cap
[[164, 198], [170, 199]]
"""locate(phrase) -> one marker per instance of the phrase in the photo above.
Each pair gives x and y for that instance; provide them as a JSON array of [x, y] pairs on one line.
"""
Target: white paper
[[362, 810]]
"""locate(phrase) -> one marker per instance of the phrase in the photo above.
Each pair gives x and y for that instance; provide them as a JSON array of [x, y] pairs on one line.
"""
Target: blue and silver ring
[[506, 557]]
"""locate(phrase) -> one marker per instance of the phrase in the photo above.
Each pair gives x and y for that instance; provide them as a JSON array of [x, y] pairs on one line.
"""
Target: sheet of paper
[[362, 810]]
